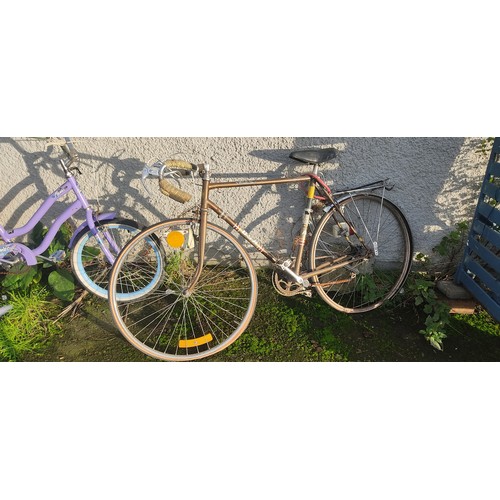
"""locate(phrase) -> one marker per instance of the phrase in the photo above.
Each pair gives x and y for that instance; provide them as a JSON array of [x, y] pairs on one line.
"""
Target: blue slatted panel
[[479, 271]]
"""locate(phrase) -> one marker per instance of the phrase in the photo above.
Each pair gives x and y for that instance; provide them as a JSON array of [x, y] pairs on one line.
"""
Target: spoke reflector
[[196, 342]]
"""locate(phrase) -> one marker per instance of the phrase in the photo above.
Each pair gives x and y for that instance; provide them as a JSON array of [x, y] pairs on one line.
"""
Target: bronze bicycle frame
[[206, 205], [231, 222]]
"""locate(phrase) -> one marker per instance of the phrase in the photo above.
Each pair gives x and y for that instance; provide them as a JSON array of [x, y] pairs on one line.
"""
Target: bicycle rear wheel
[[372, 235], [170, 323]]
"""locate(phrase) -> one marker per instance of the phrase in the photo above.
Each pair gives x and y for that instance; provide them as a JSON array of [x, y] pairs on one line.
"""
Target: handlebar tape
[[180, 165], [171, 191]]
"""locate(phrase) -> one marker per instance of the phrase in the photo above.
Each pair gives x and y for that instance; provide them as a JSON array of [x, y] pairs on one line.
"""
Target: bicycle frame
[[313, 181], [81, 203]]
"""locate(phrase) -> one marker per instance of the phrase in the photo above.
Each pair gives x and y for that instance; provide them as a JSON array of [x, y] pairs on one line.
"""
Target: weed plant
[[421, 284]]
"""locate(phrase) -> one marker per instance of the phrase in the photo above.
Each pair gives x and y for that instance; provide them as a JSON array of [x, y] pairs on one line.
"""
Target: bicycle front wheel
[[365, 246], [88, 262], [176, 321]]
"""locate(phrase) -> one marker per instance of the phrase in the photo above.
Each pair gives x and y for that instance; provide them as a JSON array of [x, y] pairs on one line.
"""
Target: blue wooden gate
[[479, 272]]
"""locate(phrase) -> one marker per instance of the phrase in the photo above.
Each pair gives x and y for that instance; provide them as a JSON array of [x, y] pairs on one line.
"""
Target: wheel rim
[[172, 324], [90, 263], [381, 243]]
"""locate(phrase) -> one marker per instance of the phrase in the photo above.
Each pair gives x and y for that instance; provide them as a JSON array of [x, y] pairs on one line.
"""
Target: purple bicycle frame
[[81, 202]]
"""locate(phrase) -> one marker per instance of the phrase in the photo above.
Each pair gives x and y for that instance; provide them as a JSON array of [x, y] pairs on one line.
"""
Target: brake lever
[[156, 170], [71, 169], [80, 162], [149, 172]]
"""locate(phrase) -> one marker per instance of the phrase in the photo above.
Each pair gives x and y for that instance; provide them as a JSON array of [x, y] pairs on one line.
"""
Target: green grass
[[481, 321], [307, 329], [27, 327], [287, 329]]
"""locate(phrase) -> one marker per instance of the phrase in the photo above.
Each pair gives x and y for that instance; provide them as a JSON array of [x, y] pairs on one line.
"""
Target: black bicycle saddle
[[314, 156]]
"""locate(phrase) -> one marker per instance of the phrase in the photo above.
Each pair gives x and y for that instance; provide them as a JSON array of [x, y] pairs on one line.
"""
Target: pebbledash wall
[[436, 180]]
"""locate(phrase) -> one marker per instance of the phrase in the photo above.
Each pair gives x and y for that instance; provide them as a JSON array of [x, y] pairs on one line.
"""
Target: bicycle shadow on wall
[[425, 171], [34, 163], [43, 175]]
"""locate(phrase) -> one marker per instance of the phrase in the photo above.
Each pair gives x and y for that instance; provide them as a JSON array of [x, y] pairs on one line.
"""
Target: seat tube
[[300, 242]]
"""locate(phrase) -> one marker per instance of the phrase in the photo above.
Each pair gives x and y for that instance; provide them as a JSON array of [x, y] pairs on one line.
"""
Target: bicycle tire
[[171, 325], [88, 262], [380, 232]]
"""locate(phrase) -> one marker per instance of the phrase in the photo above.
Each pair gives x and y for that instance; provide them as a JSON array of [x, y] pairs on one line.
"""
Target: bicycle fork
[[203, 231]]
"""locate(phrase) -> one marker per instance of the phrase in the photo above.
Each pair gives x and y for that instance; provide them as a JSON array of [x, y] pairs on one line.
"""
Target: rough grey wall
[[436, 179]]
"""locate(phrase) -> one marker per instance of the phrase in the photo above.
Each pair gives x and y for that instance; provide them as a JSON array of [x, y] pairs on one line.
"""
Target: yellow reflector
[[175, 239], [310, 193], [196, 342]]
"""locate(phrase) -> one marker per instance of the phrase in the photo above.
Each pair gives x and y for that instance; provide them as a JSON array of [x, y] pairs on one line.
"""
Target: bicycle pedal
[[58, 256], [9, 260]]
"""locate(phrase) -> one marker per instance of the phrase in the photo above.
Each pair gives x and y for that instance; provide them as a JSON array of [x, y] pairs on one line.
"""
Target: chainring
[[286, 287]]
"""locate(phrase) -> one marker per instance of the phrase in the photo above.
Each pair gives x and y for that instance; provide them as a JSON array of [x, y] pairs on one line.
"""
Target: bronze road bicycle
[[356, 257]]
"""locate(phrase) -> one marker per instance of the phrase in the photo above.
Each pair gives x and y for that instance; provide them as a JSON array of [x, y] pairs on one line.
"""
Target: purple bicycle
[[94, 245]]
